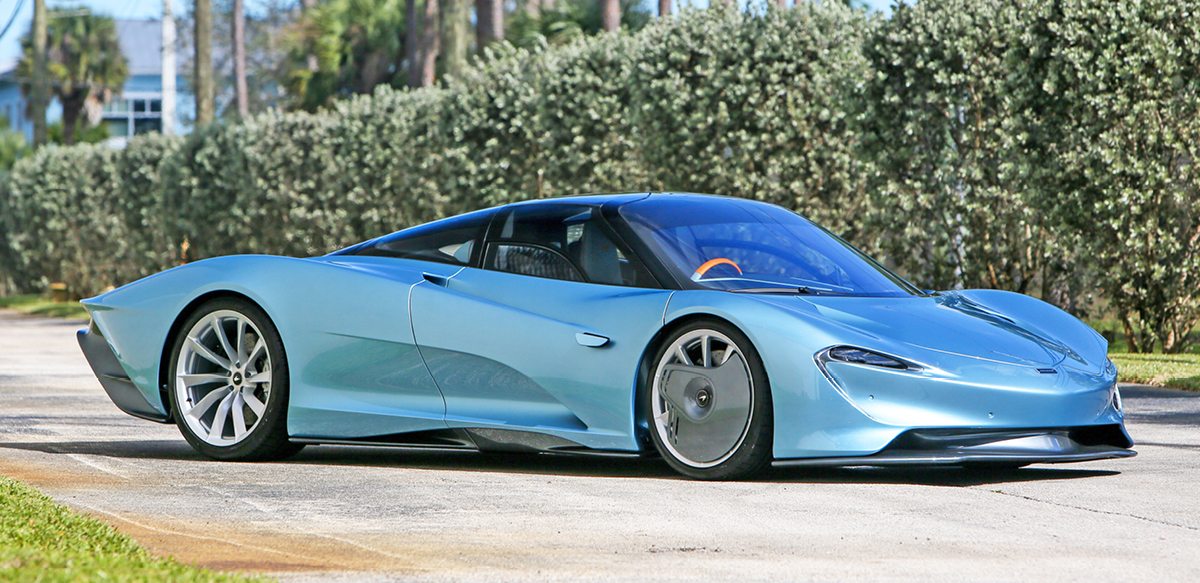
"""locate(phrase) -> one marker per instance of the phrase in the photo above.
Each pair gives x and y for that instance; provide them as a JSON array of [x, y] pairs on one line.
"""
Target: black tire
[[751, 452], [267, 439]]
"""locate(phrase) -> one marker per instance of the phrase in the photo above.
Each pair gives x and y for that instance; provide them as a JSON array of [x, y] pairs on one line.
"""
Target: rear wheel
[[229, 383], [709, 403]]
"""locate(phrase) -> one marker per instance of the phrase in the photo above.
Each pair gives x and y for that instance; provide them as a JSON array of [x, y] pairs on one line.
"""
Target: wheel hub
[[702, 398]]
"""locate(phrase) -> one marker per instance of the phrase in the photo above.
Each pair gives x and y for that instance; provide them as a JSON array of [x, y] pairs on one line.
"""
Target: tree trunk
[[781, 4], [40, 97], [72, 106], [423, 75], [168, 68], [1131, 340], [412, 42], [456, 20], [664, 8], [489, 22], [610, 10], [306, 7], [205, 107], [241, 93]]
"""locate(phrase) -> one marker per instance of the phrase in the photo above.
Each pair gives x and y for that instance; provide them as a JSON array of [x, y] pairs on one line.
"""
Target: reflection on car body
[[723, 334]]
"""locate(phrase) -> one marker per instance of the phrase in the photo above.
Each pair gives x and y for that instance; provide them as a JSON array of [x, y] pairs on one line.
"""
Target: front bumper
[[124, 394], [972, 446]]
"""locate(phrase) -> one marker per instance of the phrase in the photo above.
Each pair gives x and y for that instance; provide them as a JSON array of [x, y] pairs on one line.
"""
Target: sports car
[[723, 334]]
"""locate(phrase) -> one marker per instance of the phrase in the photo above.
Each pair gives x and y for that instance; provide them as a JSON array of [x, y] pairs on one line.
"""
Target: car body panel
[[504, 351], [858, 410]]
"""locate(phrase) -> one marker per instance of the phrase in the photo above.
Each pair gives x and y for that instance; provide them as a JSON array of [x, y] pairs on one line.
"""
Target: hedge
[[1041, 146]]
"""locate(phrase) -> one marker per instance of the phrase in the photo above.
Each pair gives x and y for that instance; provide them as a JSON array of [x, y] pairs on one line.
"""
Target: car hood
[[949, 324]]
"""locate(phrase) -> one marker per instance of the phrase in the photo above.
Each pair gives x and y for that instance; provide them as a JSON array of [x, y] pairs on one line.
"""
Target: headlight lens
[[860, 356], [1109, 367]]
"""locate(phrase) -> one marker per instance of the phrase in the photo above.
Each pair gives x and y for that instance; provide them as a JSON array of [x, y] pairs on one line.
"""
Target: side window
[[450, 240], [531, 260], [568, 242]]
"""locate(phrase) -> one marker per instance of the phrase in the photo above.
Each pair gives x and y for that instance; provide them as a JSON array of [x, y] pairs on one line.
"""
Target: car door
[[548, 334], [359, 374]]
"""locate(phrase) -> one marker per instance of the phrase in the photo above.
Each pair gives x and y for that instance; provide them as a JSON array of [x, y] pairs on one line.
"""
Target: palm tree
[[84, 63], [359, 44], [559, 22]]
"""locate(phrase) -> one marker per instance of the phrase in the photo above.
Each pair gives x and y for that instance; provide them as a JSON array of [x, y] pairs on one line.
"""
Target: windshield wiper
[[802, 290]]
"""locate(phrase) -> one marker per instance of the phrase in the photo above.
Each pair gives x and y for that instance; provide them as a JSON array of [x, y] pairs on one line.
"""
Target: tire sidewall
[[270, 435], [754, 452]]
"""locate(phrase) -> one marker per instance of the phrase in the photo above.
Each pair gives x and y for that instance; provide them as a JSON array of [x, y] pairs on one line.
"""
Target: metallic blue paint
[[502, 348], [381, 346]]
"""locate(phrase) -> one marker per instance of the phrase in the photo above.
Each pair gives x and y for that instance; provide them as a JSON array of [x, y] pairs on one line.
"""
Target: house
[[138, 108]]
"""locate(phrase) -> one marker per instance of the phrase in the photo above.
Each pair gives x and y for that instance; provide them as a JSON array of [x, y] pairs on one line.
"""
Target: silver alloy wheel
[[702, 398], [223, 378]]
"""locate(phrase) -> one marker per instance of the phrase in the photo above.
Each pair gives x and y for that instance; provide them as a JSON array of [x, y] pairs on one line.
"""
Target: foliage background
[[1041, 146]]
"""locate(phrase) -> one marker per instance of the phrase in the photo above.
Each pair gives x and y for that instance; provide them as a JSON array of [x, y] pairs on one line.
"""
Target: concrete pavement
[[351, 514]]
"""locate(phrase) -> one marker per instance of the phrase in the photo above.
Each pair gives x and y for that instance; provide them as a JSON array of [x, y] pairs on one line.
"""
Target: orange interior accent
[[711, 263]]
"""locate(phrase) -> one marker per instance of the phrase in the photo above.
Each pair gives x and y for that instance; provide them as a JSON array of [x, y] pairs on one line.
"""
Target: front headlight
[[1110, 368], [868, 357]]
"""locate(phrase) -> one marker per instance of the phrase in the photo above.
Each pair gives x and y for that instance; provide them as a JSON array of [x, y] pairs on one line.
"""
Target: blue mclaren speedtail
[[723, 334]]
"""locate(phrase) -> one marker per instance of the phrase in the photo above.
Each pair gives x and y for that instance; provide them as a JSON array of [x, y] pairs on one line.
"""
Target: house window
[[133, 115]]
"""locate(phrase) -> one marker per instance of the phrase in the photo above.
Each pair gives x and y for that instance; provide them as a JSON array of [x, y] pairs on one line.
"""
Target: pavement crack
[[83, 460], [273, 513], [1096, 511], [246, 501], [1173, 445], [197, 537], [355, 544]]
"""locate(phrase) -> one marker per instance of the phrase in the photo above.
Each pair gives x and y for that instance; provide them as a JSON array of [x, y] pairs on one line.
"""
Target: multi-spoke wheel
[[229, 383], [710, 403]]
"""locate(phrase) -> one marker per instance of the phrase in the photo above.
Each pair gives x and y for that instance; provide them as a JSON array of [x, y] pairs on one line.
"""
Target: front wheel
[[229, 383], [709, 403]]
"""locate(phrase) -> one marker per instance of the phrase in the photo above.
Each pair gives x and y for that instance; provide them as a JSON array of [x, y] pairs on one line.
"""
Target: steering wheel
[[711, 263]]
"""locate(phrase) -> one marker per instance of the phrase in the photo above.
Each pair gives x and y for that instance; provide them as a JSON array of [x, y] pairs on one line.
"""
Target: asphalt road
[[350, 514]]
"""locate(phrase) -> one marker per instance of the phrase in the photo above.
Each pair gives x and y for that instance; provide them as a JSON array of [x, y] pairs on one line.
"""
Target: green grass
[[1177, 371], [41, 540], [40, 306]]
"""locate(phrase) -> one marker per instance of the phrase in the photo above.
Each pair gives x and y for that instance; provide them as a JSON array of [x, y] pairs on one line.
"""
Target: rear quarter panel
[[301, 296]]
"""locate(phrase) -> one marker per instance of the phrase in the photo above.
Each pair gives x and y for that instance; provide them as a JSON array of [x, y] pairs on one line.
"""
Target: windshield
[[744, 246]]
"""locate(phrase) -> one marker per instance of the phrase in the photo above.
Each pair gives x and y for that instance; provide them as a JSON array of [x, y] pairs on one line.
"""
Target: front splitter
[[975, 447]]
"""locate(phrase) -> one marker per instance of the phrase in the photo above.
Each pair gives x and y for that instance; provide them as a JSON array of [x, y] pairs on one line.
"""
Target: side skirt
[[474, 439]]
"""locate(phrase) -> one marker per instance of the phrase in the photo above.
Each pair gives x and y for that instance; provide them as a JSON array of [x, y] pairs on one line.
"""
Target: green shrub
[[1041, 146], [1128, 79], [951, 119], [755, 106]]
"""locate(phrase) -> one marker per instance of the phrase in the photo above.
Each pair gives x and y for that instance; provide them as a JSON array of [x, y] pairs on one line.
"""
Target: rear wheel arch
[[164, 359]]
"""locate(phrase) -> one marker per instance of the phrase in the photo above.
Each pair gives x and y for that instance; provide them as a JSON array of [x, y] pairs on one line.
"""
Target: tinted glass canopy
[[744, 246], [449, 240]]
